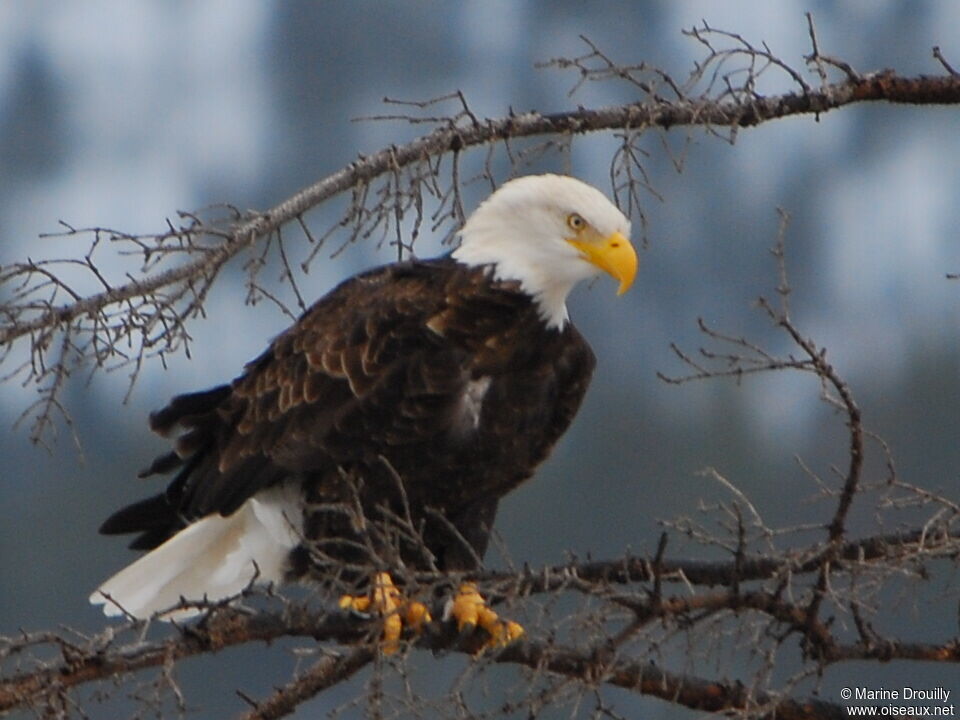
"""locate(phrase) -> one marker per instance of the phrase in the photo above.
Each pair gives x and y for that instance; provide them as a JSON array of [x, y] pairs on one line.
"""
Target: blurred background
[[120, 114]]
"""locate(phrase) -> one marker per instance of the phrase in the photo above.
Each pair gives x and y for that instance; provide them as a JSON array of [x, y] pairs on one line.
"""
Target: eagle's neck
[[539, 275]]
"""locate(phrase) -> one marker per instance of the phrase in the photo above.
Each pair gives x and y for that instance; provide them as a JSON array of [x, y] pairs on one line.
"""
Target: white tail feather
[[213, 558]]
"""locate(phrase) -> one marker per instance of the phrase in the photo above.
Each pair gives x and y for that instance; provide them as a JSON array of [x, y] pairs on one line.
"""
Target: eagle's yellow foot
[[470, 611], [386, 600]]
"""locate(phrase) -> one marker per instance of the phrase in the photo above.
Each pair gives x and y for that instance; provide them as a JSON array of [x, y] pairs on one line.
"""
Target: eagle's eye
[[575, 222]]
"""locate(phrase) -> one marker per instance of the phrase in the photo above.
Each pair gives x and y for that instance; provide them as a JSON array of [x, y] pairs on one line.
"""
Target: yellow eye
[[575, 222]]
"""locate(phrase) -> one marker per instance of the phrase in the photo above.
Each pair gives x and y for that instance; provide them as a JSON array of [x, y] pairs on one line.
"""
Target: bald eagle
[[421, 391]]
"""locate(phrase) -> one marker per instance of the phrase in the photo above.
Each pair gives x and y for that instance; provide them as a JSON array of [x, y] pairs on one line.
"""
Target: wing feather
[[359, 365]]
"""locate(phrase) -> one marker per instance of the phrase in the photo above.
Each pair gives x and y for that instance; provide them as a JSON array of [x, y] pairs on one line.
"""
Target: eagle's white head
[[549, 232]]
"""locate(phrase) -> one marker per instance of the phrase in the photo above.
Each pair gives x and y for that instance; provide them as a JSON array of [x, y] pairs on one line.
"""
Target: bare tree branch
[[328, 671], [101, 657], [809, 592], [883, 86]]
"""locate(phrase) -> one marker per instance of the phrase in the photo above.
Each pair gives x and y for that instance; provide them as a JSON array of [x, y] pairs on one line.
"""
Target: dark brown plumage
[[385, 425], [370, 385]]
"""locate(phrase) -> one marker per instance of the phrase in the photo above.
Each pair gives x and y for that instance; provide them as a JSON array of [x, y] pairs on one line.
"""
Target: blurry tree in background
[[732, 613]]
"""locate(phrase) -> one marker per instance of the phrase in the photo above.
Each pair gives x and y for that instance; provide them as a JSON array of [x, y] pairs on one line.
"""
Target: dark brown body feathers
[[423, 391]]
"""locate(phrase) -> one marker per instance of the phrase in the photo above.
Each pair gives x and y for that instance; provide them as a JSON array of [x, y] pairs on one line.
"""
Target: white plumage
[[521, 230], [213, 558]]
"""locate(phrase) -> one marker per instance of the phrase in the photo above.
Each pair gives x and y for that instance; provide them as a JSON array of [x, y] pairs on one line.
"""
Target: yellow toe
[[360, 603], [417, 615], [467, 605], [386, 600], [471, 610]]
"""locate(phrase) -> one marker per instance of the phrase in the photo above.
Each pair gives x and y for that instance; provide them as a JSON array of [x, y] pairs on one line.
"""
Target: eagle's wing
[[373, 363]]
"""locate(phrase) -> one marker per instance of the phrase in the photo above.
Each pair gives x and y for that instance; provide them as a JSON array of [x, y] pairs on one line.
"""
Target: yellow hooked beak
[[613, 254]]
